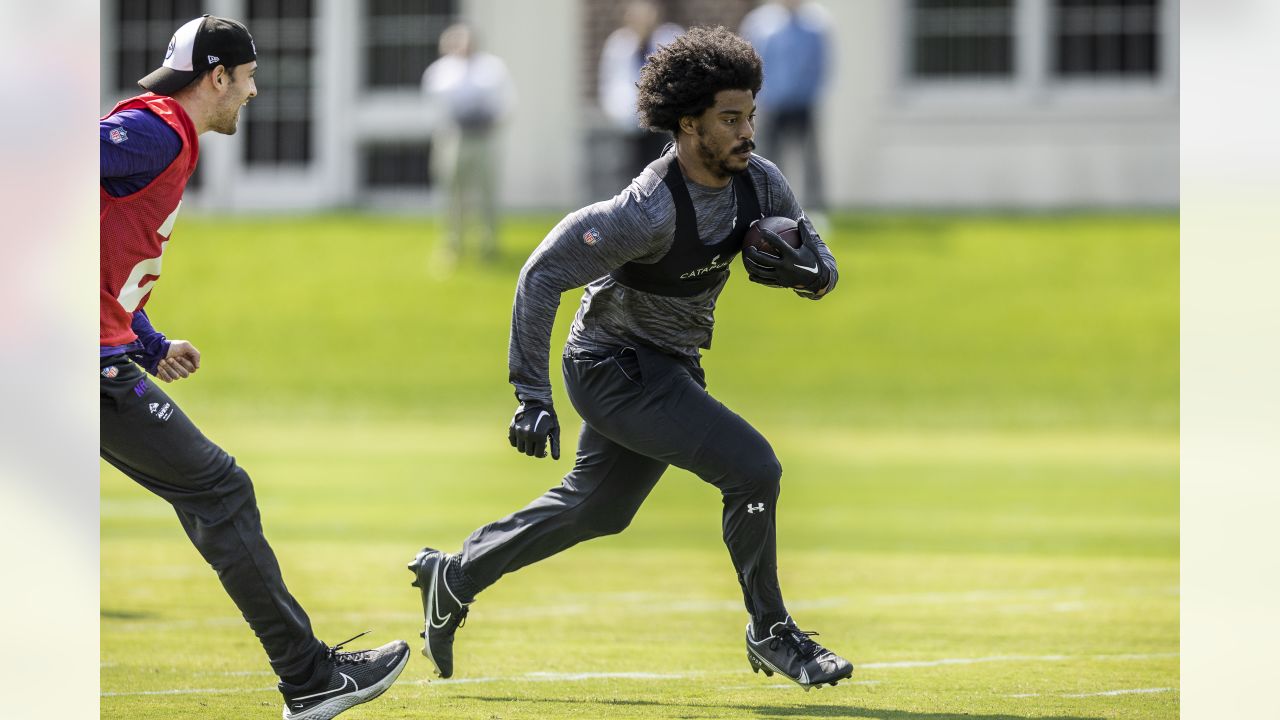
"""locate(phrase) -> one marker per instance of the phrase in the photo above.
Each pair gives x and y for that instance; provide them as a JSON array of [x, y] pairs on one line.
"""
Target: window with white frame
[[1037, 42], [1106, 38], [402, 38], [962, 39], [279, 127], [143, 29]]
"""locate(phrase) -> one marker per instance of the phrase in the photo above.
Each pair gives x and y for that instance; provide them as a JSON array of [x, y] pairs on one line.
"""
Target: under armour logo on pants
[[752, 509]]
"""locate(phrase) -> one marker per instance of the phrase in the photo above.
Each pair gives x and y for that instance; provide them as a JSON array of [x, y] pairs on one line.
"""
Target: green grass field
[[979, 432]]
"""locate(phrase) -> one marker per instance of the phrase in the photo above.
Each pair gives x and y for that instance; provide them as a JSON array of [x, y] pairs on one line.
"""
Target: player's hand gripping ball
[[779, 252], [783, 227]]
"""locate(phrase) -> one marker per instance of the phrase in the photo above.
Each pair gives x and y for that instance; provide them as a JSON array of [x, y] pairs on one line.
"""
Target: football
[[785, 228]]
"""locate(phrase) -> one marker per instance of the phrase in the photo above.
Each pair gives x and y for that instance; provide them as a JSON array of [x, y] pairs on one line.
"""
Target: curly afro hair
[[683, 77]]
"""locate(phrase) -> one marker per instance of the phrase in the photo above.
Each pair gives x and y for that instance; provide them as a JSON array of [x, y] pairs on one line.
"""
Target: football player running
[[653, 260]]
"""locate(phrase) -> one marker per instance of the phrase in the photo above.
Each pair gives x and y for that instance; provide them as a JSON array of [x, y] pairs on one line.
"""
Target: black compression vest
[[690, 267]]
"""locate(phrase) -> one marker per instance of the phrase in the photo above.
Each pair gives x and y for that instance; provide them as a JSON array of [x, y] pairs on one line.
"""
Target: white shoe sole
[[331, 708]]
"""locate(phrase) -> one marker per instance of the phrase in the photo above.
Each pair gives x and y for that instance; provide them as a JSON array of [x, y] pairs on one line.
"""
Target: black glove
[[532, 424], [800, 268]]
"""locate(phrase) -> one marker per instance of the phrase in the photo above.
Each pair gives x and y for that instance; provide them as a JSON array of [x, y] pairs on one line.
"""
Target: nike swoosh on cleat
[[813, 269], [436, 619], [346, 679]]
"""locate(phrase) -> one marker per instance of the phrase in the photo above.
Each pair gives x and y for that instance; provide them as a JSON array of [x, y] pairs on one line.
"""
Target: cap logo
[[179, 55], [213, 59], [253, 47]]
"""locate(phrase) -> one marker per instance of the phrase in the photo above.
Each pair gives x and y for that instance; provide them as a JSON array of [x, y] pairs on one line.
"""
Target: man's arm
[[828, 261], [167, 359], [780, 201], [154, 346], [135, 146], [581, 248], [584, 246]]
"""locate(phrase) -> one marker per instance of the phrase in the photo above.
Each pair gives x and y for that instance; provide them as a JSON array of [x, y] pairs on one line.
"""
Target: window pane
[[143, 30], [401, 39], [962, 39], [1106, 38], [278, 123], [397, 165]]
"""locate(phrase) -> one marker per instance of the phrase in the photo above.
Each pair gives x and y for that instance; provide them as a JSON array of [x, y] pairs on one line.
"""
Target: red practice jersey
[[135, 228]]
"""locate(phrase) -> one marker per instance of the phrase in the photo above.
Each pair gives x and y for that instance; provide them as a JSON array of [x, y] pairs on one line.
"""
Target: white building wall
[[888, 142], [1029, 144], [543, 141]]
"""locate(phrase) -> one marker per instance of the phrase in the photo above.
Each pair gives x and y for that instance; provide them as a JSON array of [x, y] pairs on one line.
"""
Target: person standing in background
[[625, 52], [794, 40], [475, 92]]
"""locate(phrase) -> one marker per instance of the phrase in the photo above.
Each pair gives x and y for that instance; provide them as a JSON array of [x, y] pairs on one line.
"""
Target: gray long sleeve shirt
[[636, 225]]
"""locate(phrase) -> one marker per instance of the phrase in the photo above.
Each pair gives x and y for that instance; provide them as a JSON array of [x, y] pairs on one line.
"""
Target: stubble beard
[[226, 121], [717, 165]]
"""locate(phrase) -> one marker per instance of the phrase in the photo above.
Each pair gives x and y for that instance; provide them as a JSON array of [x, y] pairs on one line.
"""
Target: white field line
[[1008, 658], [1105, 693], [191, 691], [579, 677], [1132, 691], [1068, 599], [566, 677]]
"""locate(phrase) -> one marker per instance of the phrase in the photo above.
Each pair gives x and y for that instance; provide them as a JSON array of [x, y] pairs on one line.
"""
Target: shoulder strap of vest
[[745, 190], [686, 218]]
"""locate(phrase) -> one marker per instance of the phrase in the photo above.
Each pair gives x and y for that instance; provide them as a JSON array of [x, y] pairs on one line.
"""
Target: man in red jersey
[[149, 147]]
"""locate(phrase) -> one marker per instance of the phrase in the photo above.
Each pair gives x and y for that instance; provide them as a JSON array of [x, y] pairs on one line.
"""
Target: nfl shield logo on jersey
[[118, 135], [110, 372], [591, 236]]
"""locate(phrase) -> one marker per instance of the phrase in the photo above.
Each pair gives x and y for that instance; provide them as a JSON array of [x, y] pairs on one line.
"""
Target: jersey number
[[134, 288]]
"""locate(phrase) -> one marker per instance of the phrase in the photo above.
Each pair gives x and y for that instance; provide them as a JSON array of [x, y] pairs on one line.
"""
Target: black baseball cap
[[199, 45]]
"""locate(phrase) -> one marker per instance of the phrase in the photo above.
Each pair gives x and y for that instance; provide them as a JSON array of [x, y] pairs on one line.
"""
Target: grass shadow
[[688, 711], [106, 614]]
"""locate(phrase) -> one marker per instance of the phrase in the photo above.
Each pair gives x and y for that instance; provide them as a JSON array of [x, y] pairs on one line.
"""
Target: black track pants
[[643, 411], [146, 436]]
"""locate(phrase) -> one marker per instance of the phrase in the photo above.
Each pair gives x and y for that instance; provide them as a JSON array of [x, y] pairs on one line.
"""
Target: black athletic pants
[[146, 436], [642, 411]]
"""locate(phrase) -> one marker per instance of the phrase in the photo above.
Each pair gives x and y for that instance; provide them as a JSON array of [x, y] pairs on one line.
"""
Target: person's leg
[[149, 438], [677, 422], [458, 184], [646, 146], [769, 137], [807, 135], [486, 181], [674, 420], [598, 497]]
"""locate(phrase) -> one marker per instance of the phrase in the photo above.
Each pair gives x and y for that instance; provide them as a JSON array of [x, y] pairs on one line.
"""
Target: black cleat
[[443, 613], [790, 652], [356, 677]]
